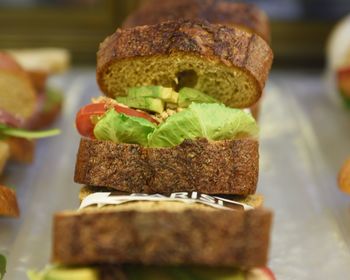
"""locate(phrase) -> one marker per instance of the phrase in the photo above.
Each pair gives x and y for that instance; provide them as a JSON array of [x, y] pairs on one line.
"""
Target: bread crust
[[189, 237], [8, 202], [228, 46], [247, 16], [221, 167]]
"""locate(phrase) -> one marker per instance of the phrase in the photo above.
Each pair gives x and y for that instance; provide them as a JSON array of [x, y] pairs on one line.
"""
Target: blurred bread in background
[[49, 60]]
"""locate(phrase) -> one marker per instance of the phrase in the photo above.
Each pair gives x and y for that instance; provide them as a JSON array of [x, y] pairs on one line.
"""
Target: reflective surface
[[304, 139]]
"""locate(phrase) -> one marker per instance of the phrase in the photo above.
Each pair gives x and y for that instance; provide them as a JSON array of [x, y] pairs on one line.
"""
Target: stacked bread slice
[[184, 210], [237, 14]]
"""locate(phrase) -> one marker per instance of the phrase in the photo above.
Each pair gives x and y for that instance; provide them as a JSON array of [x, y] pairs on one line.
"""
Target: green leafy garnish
[[2, 266], [211, 121], [22, 133], [121, 128]]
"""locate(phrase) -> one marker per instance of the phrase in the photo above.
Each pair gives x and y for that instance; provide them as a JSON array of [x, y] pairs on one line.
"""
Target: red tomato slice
[[84, 122]]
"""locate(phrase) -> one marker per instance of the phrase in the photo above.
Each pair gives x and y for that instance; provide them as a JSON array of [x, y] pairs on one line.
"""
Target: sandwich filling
[[155, 116], [101, 199]]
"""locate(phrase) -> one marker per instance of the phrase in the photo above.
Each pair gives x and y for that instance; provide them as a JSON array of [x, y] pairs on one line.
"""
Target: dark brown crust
[[222, 167], [215, 11], [192, 237], [230, 46]]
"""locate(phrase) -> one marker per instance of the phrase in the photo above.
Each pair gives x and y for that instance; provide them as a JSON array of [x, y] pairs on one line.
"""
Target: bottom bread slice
[[170, 233]]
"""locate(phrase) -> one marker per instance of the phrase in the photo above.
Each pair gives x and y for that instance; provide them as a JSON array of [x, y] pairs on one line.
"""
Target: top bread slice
[[243, 15], [227, 63], [169, 233], [220, 167], [17, 94]]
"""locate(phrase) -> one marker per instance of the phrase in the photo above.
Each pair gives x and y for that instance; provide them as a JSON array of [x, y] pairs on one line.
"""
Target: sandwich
[[41, 64], [175, 92], [18, 104], [242, 15], [169, 160]]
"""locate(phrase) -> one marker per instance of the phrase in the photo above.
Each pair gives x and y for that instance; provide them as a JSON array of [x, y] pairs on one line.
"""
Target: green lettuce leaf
[[2, 266], [22, 133], [121, 128], [210, 121]]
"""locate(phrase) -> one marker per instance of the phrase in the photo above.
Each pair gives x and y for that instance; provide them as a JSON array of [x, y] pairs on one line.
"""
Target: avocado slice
[[145, 103], [189, 95], [217, 273], [60, 273], [135, 272], [163, 93], [148, 273]]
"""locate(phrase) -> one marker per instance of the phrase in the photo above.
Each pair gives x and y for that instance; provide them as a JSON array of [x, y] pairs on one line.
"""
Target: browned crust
[[243, 15], [8, 202], [192, 237], [230, 46], [222, 167], [21, 150]]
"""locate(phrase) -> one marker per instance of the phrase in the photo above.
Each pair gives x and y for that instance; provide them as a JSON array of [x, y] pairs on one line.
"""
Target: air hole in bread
[[230, 85], [186, 78]]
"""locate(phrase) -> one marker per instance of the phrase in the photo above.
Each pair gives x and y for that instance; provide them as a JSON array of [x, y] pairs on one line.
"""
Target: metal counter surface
[[305, 137]]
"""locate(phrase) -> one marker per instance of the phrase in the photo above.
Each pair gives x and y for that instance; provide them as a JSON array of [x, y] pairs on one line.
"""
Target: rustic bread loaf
[[225, 62], [17, 94], [220, 167], [166, 236], [243, 15]]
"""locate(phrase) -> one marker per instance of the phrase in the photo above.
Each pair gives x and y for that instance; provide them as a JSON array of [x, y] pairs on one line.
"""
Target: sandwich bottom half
[[185, 236]]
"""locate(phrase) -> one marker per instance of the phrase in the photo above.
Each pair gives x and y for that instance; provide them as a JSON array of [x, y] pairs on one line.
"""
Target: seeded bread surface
[[220, 167], [192, 236]]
